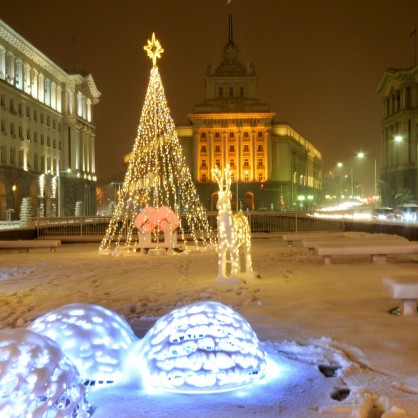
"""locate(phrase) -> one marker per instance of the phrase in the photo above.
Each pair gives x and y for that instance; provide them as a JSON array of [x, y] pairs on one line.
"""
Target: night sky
[[319, 62]]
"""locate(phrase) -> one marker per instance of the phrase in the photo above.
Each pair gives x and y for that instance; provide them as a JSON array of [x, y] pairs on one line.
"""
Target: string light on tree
[[157, 174]]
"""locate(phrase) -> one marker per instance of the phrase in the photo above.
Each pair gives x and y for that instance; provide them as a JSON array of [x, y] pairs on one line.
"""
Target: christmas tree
[[157, 174]]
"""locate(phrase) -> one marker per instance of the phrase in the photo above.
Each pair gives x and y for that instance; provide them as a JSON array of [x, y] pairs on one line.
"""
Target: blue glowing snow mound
[[205, 347], [97, 340], [36, 379]]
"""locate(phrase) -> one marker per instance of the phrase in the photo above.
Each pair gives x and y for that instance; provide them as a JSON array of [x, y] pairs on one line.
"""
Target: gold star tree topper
[[154, 49]]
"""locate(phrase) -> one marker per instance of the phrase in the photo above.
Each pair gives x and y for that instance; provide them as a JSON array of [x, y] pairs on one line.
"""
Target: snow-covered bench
[[293, 237], [312, 244], [404, 288], [26, 245], [377, 250]]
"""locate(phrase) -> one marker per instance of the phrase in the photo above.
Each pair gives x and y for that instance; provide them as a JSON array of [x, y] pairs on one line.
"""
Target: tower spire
[[231, 38]]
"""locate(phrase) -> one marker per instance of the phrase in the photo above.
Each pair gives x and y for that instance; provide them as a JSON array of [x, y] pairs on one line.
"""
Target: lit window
[[246, 177]]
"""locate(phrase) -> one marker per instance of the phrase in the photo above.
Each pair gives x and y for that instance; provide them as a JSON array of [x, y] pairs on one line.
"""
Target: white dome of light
[[36, 379], [202, 348], [96, 339]]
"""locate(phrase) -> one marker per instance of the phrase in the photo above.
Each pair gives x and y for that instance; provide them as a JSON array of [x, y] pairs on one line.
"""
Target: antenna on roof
[[231, 38]]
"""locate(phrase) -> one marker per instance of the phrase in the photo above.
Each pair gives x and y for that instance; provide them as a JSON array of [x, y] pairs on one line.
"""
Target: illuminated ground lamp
[[36, 379], [205, 347], [96, 339]]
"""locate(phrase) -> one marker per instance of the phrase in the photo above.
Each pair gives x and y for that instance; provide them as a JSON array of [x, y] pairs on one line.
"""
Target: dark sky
[[319, 62]]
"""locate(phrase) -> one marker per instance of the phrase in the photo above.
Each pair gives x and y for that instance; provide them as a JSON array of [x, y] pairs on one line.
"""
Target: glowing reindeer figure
[[233, 233]]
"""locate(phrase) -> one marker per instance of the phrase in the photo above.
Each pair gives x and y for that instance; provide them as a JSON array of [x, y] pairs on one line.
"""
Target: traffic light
[[262, 186]]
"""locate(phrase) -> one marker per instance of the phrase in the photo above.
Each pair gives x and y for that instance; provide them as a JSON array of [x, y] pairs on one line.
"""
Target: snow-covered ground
[[334, 349]]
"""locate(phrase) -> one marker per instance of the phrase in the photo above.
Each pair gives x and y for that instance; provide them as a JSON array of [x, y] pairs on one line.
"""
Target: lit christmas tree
[[158, 181]]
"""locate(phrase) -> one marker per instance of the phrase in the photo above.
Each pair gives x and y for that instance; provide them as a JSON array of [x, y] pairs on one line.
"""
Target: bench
[[312, 245], [26, 245], [293, 237], [377, 250], [405, 289]]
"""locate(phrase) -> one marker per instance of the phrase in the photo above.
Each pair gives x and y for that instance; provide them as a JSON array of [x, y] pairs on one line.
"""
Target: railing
[[262, 222]]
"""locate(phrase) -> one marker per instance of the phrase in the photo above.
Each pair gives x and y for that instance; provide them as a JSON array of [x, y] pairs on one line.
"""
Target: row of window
[[232, 134], [14, 156], [19, 133], [232, 163], [50, 122], [246, 179], [231, 91], [246, 148]]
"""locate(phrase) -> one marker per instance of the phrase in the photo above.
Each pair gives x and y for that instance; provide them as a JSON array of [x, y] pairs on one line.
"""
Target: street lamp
[[340, 165], [362, 155]]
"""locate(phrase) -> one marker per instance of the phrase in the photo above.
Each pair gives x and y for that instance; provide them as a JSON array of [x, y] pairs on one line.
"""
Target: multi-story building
[[47, 136], [398, 90], [272, 165]]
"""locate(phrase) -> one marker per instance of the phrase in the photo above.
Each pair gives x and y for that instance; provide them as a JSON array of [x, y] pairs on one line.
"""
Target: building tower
[[271, 164], [398, 90]]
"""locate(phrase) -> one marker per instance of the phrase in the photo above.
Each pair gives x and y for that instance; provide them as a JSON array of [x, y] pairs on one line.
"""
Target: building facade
[[398, 90], [47, 135], [273, 167]]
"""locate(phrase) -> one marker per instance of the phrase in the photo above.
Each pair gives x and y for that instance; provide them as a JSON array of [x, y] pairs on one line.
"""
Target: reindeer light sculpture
[[234, 234]]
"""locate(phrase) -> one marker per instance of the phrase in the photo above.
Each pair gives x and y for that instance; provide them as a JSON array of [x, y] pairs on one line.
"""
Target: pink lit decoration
[[36, 379], [97, 340], [205, 347], [234, 234], [151, 220]]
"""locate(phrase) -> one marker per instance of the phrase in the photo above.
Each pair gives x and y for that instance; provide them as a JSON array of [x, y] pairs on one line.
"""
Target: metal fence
[[262, 222]]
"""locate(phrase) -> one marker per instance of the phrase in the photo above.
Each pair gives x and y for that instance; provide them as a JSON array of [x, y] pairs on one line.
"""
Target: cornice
[[23, 46], [231, 116]]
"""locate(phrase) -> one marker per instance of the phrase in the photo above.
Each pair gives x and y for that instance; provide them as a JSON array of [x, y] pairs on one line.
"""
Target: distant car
[[407, 212], [383, 214]]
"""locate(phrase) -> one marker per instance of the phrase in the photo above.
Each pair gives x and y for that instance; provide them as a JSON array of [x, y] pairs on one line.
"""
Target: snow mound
[[205, 347], [36, 379], [96, 339]]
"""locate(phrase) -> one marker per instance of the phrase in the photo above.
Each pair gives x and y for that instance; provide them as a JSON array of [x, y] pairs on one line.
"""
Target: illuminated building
[[272, 165], [398, 90], [47, 136]]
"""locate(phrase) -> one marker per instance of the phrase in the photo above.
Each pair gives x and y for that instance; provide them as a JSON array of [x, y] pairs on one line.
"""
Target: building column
[[2, 63], [41, 87], [269, 168], [27, 78]]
